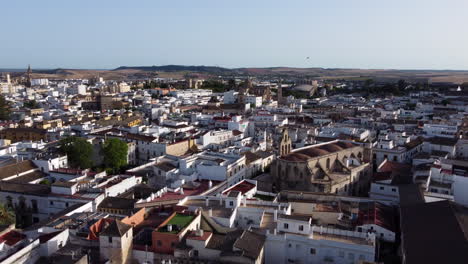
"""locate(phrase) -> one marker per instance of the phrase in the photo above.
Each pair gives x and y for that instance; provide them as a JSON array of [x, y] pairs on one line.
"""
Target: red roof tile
[[12, 237]]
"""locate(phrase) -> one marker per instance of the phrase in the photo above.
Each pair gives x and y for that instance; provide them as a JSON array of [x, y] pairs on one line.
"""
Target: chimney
[[210, 184], [207, 202], [210, 212], [181, 190], [8, 79], [275, 215], [169, 228]]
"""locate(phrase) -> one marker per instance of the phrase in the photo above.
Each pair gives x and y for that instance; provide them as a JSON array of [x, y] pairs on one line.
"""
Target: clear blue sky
[[406, 34]]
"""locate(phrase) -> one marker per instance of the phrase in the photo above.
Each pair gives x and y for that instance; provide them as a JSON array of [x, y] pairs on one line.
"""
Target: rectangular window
[[231, 203], [382, 188], [393, 190], [159, 243], [51, 202], [312, 251], [301, 228], [286, 225], [110, 240]]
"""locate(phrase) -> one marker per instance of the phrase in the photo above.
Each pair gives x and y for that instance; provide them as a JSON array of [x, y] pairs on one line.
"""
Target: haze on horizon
[[105, 34]]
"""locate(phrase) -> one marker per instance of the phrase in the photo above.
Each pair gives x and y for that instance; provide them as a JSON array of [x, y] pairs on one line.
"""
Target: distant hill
[[176, 68], [206, 72]]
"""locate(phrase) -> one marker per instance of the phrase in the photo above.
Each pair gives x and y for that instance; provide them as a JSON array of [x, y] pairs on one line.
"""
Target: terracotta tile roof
[[12, 237], [116, 229], [242, 187], [25, 188], [316, 151], [251, 244], [17, 168]]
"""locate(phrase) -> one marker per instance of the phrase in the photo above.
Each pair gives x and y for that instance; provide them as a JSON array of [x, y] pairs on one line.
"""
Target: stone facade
[[285, 143], [333, 167]]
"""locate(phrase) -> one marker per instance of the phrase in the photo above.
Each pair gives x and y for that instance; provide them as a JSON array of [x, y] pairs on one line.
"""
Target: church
[[338, 167]]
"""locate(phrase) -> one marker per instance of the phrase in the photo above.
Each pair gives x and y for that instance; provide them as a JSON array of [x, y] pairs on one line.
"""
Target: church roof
[[313, 151]]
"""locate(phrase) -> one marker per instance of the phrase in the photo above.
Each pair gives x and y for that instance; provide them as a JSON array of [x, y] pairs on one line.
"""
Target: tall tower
[[244, 90], [280, 92], [28, 76], [285, 143]]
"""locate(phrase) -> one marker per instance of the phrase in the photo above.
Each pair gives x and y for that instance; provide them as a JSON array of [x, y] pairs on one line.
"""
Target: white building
[[295, 240], [39, 82], [230, 97], [215, 139], [255, 101], [440, 130], [115, 242]]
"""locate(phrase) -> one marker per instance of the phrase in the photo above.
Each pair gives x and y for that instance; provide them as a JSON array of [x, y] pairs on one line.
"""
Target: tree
[[4, 108], [214, 85], [115, 154], [401, 85], [7, 216], [31, 104], [79, 152], [232, 84]]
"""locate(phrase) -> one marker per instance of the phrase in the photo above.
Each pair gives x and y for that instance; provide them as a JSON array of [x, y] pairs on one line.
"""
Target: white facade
[[462, 148], [230, 97], [115, 248], [316, 247], [41, 82], [192, 93], [218, 138], [255, 101], [440, 130], [384, 191]]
